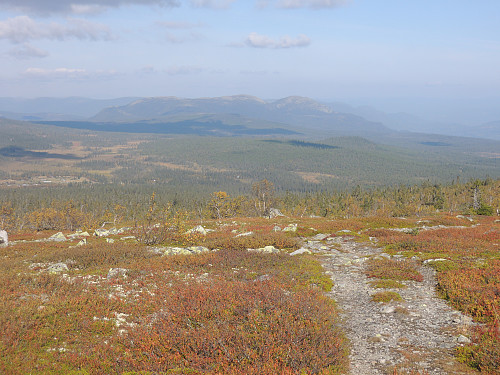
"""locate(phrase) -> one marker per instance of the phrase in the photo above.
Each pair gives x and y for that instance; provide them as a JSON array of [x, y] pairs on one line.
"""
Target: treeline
[[92, 205]]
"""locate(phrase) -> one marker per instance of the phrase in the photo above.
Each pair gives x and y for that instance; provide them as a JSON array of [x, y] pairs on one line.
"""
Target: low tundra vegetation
[[467, 261], [121, 308], [223, 312]]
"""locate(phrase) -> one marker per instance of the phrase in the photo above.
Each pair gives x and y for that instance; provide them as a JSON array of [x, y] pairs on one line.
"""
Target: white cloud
[[213, 4], [264, 41], [294, 4], [76, 6], [22, 29], [27, 51]]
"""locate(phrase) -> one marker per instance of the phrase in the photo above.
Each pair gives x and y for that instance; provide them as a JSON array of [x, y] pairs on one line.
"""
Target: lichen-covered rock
[[57, 268], [198, 229], [116, 272], [82, 242], [176, 251], [4, 238], [300, 251], [320, 237], [274, 212], [100, 232], [266, 249], [198, 249], [244, 234], [290, 228], [58, 237], [79, 233]]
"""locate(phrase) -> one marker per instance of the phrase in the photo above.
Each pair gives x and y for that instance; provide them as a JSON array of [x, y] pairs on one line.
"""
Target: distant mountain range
[[292, 113], [230, 115]]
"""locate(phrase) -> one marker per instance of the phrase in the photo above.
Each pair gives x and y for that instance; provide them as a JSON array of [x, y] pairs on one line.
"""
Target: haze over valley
[[261, 187]]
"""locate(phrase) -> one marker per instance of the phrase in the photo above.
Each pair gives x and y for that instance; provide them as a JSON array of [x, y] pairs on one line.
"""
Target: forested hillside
[[32, 154]]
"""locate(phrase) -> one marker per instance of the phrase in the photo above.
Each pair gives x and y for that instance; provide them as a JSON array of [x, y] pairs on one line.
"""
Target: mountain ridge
[[295, 111]]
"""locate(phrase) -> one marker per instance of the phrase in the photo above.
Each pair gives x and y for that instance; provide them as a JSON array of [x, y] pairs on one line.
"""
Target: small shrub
[[387, 284], [484, 210], [484, 352], [386, 297], [393, 269]]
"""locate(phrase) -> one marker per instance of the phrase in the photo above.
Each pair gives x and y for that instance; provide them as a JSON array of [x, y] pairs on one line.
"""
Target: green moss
[[386, 297], [387, 284], [444, 265]]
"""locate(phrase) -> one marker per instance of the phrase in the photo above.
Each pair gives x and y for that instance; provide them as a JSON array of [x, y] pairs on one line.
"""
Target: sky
[[396, 55]]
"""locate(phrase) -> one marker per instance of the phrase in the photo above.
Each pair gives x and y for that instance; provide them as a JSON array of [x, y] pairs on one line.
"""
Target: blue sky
[[359, 51]]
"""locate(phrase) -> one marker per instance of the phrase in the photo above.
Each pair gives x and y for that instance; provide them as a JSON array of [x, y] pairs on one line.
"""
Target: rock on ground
[[4, 238], [419, 332]]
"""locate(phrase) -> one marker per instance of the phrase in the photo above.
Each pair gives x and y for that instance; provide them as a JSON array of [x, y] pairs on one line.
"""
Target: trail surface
[[418, 333]]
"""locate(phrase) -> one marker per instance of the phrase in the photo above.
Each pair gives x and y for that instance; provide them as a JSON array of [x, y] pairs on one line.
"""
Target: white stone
[[244, 234], [57, 267], [4, 238], [58, 237], [198, 229], [290, 228], [300, 251]]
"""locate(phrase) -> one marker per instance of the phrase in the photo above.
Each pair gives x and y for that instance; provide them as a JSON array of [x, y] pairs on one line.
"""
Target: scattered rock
[[198, 249], [274, 212], [176, 251], [4, 238], [128, 238], [382, 332], [58, 237], [117, 272], [180, 250], [110, 240], [300, 251], [198, 229], [320, 237], [463, 340], [82, 242], [387, 309], [101, 232], [262, 278], [277, 228], [79, 233], [266, 249], [290, 228], [244, 234], [57, 268], [464, 217], [427, 261]]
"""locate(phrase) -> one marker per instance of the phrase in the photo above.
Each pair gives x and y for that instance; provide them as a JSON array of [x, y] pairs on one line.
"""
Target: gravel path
[[418, 333]]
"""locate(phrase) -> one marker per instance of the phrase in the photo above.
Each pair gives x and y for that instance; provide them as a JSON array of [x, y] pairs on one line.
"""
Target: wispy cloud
[[295, 4], [27, 51], [22, 29], [77, 6], [182, 70], [212, 4], [56, 73], [179, 25], [264, 41], [178, 31], [68, 74]]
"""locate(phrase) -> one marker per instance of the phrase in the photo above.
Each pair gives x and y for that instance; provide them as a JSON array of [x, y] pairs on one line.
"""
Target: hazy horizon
[[437, 60]]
